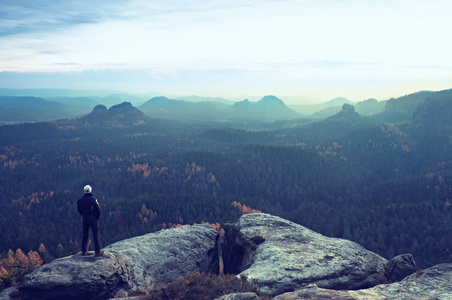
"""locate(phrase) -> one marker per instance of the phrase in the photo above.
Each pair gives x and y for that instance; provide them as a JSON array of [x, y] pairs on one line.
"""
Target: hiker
[[89, 209]]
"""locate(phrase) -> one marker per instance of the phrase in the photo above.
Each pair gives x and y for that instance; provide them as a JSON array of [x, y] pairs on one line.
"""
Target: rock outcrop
[[135, 263], [120, 115], [431, 283], [239, 296], [400, 267], [163, 256], [78, 277], [281, 256], [284, 259]]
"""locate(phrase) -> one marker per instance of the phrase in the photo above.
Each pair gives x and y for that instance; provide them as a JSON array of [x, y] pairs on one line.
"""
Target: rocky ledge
[[431, 283], [78, 276], [165, 255], [280, 256], [132, 264], [284, 259]]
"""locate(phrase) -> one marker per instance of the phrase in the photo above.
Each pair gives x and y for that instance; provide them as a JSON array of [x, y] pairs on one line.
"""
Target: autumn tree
[[16, 264], [245, 209]]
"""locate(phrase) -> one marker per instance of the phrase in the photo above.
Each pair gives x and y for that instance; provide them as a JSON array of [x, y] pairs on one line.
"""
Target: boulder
[[163, 256], [281, 256], [400, 267], [431, 283], [78, 277], [132, 264]]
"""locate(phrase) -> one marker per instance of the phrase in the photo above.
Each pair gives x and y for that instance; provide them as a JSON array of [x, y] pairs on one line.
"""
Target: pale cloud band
[[227, 47]]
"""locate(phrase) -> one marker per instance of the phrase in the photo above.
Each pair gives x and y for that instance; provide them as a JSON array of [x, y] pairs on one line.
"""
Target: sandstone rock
[[9, 293], [400, 267], [313, 292], [126, 265], [431, 283], [78, 277], [239, 296], [163, 256], [281, 256]]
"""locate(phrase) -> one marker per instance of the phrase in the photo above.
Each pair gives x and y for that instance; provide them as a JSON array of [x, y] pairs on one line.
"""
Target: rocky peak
[[348, 109], [270, 100], [162, 102], [98, 109], [269, 108], [242, 104], [120, 115], [122, 110], [123, 107], [159, 99]]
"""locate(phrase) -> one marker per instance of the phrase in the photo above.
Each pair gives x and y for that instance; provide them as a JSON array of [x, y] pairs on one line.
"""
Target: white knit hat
[[87, 189]]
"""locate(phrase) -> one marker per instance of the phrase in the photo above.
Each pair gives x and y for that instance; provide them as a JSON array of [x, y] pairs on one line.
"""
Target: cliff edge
[[284, 259]]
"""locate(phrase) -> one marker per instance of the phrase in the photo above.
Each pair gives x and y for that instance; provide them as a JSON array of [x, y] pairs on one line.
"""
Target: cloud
[[218, 32], [288, 44], [21, 17]]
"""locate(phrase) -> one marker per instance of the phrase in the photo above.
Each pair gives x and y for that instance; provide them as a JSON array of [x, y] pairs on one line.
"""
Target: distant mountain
[[402, 108], [370, 106], [338, 101], [268, 109], [22, 106], [432, 118], [347, 114], [15, 109], [12, 102], [55, 104], [125, 110], [321, 110], [51, 93], [120, 115], [162, 107], [29, 109], [194, 98], [271, 101], [106, 97], [76, 106], [244, 104], [326, 112], [333, 106], [434, 111], [164, 103], [135, 99], [336, 126]]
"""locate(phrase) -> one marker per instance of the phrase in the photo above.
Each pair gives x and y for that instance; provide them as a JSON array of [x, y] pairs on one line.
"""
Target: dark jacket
[[87, 205]]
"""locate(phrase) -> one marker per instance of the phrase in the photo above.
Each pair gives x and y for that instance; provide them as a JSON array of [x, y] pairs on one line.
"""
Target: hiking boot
[[99, 254]]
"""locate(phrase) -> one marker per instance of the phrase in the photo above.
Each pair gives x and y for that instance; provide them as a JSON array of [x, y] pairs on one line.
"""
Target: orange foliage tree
[[146, 214], [245, 209], [16, 264]]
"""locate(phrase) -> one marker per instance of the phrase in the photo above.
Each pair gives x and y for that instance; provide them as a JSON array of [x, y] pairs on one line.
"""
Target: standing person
[[89, 209]]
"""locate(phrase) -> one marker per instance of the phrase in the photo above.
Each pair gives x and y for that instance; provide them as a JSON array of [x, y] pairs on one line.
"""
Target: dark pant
[[92, 222]]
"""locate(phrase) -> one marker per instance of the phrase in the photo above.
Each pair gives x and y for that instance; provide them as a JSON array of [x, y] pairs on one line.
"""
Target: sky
[[305, 51]]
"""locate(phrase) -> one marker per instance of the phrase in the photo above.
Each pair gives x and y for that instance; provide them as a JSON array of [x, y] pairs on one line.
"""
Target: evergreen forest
[[382, 181]]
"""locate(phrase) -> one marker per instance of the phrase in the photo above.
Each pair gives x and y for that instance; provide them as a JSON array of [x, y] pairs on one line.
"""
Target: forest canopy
[[384, 184]]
